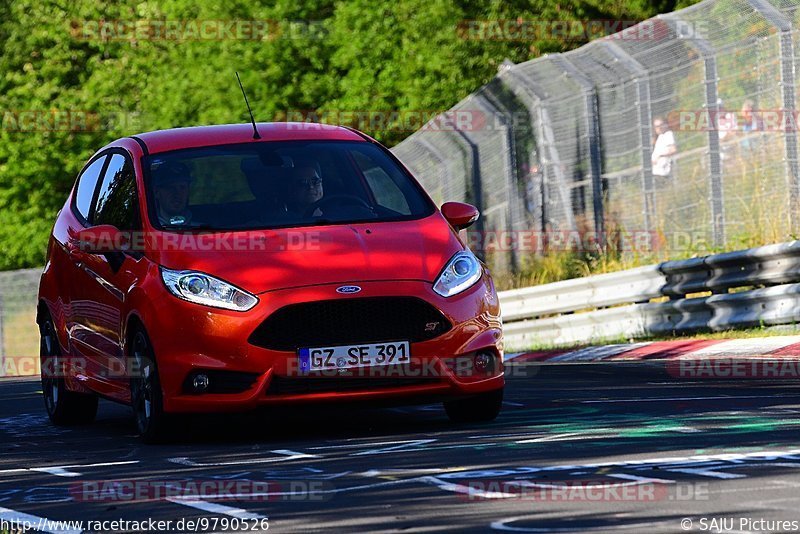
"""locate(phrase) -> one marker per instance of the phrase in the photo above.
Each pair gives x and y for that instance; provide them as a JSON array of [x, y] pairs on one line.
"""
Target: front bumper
[[189, 338]]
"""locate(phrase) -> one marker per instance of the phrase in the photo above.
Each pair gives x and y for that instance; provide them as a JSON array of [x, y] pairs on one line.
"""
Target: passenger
[[171, 183]]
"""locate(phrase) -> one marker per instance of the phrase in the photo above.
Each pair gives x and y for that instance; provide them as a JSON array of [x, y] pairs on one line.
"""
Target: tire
[[146, 394], [480, 408], [64, 407]]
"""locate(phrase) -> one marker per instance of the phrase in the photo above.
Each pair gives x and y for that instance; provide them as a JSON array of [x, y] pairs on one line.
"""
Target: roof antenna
[[255, 130]]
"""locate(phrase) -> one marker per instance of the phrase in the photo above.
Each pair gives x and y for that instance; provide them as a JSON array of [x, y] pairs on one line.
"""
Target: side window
[[117, 202], [386, 191], [87, 183]]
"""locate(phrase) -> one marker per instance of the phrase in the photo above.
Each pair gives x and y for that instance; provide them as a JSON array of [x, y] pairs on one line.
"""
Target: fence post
[[706, 51], [475, 176], [510, 162], [553, 171], [642, 80], [593, 132], [532, 97], [787, 55]]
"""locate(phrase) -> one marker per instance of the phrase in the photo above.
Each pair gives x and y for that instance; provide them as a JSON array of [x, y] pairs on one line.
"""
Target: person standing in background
[[664, 148], [750, 121]]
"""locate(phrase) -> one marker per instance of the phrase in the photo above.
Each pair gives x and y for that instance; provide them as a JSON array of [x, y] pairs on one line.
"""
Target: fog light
[[483, 362], [200, 383]]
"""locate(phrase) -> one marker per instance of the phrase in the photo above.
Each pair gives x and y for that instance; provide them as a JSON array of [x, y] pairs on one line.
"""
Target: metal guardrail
[[634, 285], [616, 305], [769, 265]]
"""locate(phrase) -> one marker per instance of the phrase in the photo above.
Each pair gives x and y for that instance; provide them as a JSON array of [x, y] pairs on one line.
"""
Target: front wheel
[[146, 394], [64, 407], [480, 408]]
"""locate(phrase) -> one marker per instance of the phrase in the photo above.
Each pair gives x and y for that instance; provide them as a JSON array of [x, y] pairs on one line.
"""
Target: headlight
[[201, 288], [461, 272]]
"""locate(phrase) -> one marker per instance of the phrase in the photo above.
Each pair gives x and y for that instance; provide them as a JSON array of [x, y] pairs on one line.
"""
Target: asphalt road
[[578, 448]]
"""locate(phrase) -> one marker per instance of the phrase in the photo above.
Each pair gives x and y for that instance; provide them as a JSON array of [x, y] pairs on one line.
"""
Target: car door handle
[[76, 255]]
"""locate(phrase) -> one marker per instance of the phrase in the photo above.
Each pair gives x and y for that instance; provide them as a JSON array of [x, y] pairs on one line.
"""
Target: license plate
[[350, 356]]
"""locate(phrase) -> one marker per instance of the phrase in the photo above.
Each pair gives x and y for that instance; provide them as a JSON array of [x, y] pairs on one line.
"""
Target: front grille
[[349, 322], [302, 386]]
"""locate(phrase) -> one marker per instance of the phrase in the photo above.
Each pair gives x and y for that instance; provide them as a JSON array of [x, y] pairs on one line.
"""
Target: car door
[[71, 275], [106, 278]]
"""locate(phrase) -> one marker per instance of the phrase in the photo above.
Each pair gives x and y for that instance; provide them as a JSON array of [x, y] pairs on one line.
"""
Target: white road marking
[[63, 470], [705, 472], [467, 490], [364, 444], [41, 524], [659, 399], [642, 480], [569, 436], [215, 508], [286, 456], [401, 445], [398, 472], [745, 347], [786, 483], [591, 354]]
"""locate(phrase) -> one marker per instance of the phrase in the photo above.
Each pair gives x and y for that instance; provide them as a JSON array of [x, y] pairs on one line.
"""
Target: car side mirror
[[459, 214], [102, 239]]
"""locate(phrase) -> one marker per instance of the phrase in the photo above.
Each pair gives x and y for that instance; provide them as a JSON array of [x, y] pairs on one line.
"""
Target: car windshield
[[279, 184]]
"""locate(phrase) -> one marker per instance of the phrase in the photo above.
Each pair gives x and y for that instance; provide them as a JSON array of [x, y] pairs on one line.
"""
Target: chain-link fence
[[681, 128]]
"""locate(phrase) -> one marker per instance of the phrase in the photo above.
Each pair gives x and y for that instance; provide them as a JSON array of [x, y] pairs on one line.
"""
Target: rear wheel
[[146, 394], [64, 407], [483, 407]]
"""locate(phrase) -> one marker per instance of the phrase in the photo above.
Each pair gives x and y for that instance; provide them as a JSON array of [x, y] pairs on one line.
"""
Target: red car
[[216, 269]]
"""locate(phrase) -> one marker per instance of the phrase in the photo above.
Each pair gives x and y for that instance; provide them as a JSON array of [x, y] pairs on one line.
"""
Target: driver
[[171, 182], [305, 188]]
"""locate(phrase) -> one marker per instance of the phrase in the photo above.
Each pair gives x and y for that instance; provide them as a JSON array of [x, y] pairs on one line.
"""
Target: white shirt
[[726, 125], [662, 162]]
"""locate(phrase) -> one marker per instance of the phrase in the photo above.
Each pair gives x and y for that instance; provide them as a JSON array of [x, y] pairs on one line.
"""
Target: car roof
[[200, 136]]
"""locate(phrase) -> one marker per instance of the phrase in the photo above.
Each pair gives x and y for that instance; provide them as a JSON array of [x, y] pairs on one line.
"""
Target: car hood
[[267, 260]]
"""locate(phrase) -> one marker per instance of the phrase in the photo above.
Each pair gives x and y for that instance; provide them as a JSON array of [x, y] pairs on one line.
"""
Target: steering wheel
[[344, 200]]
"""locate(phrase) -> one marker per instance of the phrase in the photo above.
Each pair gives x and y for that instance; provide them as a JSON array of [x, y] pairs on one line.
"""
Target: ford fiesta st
[[216, 269]]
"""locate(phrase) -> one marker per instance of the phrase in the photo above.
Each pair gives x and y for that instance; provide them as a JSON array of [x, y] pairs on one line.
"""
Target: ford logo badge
[[346, 290]]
